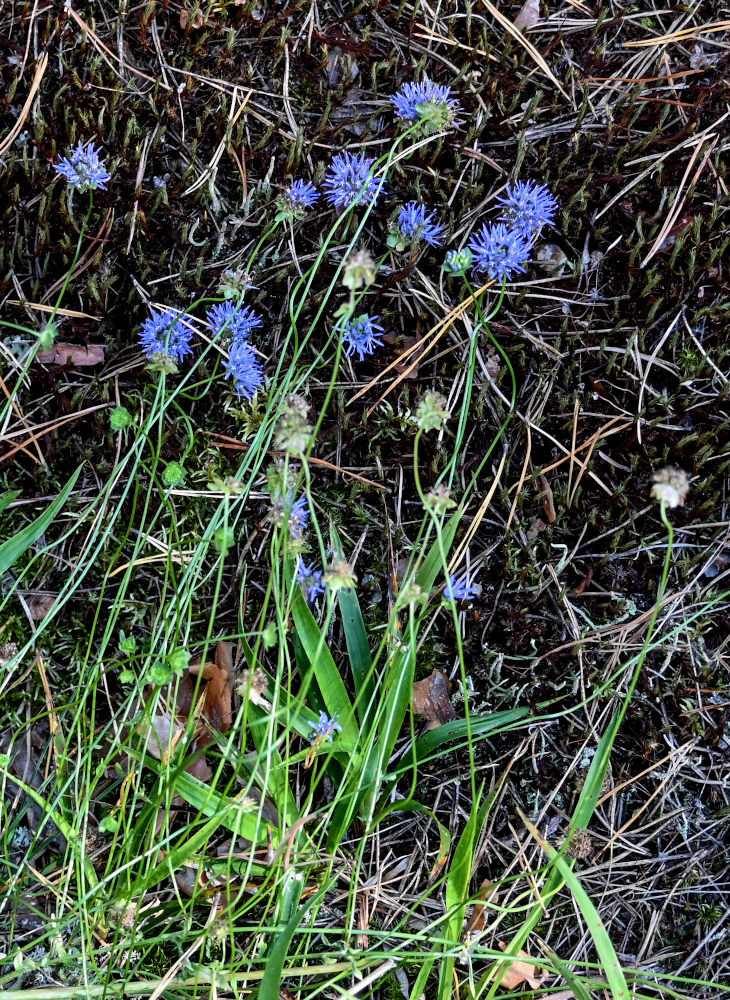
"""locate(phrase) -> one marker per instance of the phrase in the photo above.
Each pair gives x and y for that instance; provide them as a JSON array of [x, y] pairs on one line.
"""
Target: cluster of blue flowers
[[297, 514], [310, 578], [460, 589], [83, 168], [166, 332], [360, 335], [498, 250], [243, 365], [501, 250], [427, 103], [325, 728]]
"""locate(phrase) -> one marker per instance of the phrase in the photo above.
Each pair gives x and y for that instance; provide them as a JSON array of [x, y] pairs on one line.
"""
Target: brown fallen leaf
[[196, 21], [40, 604], [548, 501], [161, 734], [522, 972], [403, 344], [432, 701], [219, 687], [477, 921], [72, 354]]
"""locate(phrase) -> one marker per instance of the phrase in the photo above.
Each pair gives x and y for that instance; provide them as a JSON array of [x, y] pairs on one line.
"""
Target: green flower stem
[[484, 320], [661, 590], [249, 264]]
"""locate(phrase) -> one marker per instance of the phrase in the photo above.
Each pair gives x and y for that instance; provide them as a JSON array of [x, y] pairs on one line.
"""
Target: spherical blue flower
[[166, 332], [360, 335], [414, 224], [302, 194], [528, 207], [310, 578], [460, 590], [499, 251], [297, 514], [83, 168], [325, 728], [348, 180], [244, 368], [294, 202], [232, 318], [426, 101]]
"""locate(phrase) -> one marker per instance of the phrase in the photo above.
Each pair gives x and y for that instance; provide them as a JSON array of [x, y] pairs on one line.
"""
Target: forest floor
[[617, 337]]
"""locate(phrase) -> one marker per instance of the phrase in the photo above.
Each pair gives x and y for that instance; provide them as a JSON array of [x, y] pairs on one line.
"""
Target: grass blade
[[330, 683], [604, 947], [358, 649], [13, 548], [7, 498]]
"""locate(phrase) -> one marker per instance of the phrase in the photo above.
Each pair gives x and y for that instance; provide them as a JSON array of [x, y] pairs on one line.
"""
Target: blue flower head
[[244, 368], [310, 578], [165, 333], [427, 102], [294, 202], [360, 335], [325, 728], [232, 318], [414, 224], [460, 589], [348, 181], [83, 168], [297, 514], [528, 207], [499, 251]]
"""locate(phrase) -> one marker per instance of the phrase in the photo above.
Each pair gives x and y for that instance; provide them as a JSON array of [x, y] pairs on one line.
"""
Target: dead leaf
[[161, 734], [73, 354], [219, 687], [547, 499], [583, 583], [492, 364], [403, 344], [432, 701], [197, 21], [522, 972], [477, 921], [528, 14], [39, 605]]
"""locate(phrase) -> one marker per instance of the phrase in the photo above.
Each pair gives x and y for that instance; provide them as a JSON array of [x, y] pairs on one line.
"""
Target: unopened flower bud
[[359, 271], [438, 500], [174, 474], [432, 413], [458, 262]]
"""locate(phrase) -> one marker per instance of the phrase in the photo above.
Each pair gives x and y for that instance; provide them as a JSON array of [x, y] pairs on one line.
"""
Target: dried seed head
[[253, 686], [8, 652], [580, 846], [293, 430], [340, 575], [671, 486], [438, 501]]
